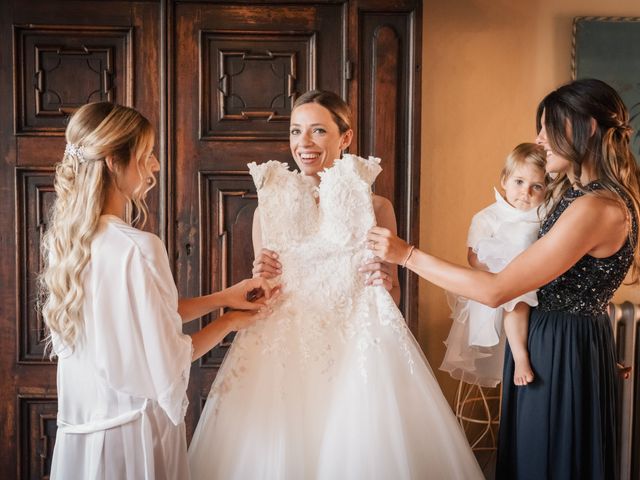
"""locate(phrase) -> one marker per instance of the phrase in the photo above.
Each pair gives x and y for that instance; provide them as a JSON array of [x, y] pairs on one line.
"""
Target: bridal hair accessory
[[75, 151]]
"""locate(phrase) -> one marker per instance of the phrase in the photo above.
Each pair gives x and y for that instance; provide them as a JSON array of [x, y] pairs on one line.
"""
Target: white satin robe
[[122, 388]]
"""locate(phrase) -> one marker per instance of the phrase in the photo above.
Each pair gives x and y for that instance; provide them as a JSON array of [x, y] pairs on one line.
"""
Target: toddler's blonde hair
[[524, 154]]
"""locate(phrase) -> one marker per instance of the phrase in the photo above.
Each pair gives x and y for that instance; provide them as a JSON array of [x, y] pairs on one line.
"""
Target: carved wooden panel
[[383, 65], [56, 56], [34, 198], [228, 200], [231, 105], [384, 104], [58, 69], [37, 435], [387, 121]]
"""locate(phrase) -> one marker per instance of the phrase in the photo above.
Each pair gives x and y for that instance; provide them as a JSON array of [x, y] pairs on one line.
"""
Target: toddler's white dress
[[332, 385], [475, 345]]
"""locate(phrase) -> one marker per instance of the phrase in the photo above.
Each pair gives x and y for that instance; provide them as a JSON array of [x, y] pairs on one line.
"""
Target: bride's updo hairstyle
[[338, 108], [95, 131]]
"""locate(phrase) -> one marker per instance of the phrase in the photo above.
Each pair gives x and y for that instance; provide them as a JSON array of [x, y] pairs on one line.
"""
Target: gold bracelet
[[404, 264]]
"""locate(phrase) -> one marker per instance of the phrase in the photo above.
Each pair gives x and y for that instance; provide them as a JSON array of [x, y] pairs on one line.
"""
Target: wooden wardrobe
[[217, 79]]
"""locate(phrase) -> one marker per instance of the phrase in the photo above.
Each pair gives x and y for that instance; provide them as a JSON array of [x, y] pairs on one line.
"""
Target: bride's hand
[[266, 264], [250, 294], [377, 273], [387, 246]]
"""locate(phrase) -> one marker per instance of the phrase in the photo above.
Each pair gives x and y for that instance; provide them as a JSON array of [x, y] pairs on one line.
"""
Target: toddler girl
[[497, 234]]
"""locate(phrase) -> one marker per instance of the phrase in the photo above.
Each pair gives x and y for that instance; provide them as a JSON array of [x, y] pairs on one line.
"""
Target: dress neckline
[[574, 192]]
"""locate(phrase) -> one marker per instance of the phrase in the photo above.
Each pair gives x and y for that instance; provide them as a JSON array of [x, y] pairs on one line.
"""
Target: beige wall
[[486, 64]]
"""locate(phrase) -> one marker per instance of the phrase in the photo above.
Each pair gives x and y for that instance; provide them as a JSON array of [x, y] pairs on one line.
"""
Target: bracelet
[[404, 264]]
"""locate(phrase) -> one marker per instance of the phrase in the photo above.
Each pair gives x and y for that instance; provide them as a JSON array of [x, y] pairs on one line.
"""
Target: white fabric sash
[[118, 421]]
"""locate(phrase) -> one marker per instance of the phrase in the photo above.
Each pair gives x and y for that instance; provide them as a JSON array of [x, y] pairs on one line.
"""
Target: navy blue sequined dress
[[562, 426]]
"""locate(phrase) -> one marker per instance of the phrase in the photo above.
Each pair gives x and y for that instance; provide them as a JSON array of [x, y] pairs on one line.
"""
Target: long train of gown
[[332, 385]]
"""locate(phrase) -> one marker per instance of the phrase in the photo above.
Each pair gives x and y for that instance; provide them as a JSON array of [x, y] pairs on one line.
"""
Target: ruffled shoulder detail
[[262, 173], [366, 169]]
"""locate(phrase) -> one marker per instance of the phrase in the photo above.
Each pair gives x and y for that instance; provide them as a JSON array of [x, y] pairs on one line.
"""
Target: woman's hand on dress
[[387, 246], [239, 319], [266, 264], [252, 294], [377, 273]]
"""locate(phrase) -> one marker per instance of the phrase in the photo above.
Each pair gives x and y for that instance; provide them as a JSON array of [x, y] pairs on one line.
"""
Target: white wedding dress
[[332, 385]]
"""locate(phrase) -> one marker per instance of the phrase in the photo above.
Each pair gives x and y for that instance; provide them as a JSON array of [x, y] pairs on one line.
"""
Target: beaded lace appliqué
[[325, 309]]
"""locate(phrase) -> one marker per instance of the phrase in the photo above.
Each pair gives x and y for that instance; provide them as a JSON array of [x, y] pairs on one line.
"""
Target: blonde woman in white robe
[[112, 309]]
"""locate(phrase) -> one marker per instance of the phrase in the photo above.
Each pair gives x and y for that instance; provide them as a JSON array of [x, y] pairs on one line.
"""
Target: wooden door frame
[[352, 9]]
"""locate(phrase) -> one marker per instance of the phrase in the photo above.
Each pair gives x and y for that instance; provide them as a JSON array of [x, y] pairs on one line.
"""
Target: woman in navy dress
[[562, 426]]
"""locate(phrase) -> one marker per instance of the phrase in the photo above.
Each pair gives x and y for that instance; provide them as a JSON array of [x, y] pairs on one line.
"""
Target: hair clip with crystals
[[75, 151]]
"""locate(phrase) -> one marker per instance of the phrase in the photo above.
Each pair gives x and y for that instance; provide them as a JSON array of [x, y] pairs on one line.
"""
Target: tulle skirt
[[475, 345], [352, 397], [475, 350]]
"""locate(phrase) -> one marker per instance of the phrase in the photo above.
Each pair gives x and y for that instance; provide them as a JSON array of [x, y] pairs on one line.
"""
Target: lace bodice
[[588, 286], [290, 212], [330, 384], [319, 234]]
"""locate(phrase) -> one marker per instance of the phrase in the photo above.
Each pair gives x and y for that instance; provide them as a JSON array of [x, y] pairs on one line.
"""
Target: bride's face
[[315, 139]]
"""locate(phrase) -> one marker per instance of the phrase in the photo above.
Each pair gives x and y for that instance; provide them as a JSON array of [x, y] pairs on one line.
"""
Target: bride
[[332, 385]]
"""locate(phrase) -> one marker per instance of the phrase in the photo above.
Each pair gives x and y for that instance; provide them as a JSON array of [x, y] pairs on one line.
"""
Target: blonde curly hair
[[95, 132]]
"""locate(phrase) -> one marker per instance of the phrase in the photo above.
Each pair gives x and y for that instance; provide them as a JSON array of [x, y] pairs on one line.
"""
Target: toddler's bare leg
[[516, 326]]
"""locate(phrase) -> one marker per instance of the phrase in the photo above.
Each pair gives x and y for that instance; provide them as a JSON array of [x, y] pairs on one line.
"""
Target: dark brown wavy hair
[[568, 115]]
